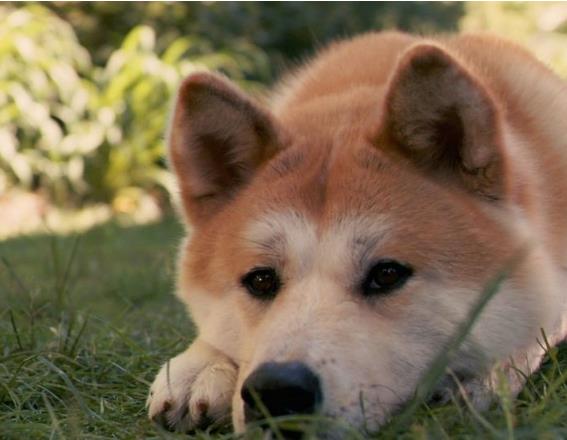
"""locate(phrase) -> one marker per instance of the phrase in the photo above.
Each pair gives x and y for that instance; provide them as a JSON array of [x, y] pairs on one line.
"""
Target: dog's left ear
[[440, 116], [218, 140]]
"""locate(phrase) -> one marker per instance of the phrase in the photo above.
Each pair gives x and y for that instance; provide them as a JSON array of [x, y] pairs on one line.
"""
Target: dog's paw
[[192, 391]]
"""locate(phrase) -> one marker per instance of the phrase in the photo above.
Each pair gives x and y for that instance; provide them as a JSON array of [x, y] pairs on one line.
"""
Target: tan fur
[[446, 153]]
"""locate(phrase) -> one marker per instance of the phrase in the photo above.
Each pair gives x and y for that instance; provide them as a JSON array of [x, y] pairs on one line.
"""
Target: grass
[[85, 322]]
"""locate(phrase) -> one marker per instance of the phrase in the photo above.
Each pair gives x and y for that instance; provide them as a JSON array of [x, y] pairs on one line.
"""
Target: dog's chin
[[319, 430], [322, 425]]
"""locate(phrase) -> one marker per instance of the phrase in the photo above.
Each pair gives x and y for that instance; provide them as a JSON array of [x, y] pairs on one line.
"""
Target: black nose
[[282, 388]]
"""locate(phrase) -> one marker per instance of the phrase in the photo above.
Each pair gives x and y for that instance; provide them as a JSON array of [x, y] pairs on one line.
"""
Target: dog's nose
[[282, 388]]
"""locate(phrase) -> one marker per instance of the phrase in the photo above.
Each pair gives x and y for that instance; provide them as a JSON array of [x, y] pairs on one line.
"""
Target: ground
[[86, 321]]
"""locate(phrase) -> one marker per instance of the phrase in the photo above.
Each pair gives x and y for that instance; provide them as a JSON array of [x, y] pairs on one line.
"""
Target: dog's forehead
[[358, 207], [329, 202], [302, 241], [331, 178], [341, 185]]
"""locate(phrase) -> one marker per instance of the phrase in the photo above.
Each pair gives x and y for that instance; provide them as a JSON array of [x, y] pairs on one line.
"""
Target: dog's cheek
[[509, 323], [524, 306]]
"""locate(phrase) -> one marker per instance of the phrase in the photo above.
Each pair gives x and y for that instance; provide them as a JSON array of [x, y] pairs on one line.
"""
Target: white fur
[[193, 387]]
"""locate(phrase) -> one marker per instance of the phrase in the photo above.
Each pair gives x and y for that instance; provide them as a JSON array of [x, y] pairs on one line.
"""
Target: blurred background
[[85, 87]]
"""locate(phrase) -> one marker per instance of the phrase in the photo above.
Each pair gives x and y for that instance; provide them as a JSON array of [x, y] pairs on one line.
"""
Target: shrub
[[82, 133], [47, 125], [540, 26]]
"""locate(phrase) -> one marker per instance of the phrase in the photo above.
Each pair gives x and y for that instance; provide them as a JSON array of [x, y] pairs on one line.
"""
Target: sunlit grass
[[85, 322]]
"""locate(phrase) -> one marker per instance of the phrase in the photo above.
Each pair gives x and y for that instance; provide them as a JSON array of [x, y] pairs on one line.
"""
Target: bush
[[47, 123], [540, 26], [83, 120], [82, 133], [286, 31]]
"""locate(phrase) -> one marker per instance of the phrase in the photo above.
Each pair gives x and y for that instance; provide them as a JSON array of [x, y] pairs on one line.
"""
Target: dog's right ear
[[218, 139], [441, 117]]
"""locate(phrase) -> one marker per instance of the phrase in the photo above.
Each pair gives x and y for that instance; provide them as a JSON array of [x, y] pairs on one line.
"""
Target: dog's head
[[336, 246]]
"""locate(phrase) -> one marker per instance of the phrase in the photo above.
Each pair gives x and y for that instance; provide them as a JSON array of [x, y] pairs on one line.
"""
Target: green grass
[[86, 321]]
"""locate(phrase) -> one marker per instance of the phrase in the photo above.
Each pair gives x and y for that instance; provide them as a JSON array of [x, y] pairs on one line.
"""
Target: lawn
[[86, 321]]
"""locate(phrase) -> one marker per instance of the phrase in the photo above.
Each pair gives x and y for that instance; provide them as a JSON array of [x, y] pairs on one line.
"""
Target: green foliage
[[286, 31], [86, 133], [46, 124], [136, 87], [540, 26], [85, 87]]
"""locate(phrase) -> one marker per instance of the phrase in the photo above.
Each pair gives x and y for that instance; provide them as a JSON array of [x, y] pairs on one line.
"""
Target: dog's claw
[[192, 392]]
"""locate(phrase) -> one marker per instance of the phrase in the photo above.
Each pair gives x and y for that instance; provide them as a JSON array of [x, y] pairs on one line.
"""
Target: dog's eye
[[386, 275], [263, 283]]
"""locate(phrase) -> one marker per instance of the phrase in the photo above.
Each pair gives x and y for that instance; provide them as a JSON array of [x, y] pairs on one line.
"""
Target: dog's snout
[[282, 388]]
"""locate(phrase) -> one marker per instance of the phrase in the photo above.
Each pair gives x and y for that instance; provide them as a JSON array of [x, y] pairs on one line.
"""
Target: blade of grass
[[62, 282], [71, 387], [56, 266], [14, 275], [139, 379], [506, 402], [78, 337], [26, 292], [54, 420], [267, 416], [483, 422], [15, 328]]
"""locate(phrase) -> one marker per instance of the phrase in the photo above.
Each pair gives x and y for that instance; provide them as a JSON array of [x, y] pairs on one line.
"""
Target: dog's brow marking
[[356, 237], [284, 235], [364, 246], [287, 163], [274, 246]]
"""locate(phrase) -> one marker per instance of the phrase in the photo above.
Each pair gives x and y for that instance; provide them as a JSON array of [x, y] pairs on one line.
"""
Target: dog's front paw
[[193, 390]]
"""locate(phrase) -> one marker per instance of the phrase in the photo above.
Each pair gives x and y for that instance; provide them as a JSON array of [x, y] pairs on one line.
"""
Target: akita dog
[[339, 238]]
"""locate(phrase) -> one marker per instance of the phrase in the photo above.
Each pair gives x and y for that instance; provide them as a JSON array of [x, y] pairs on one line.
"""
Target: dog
[[340, 236]]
